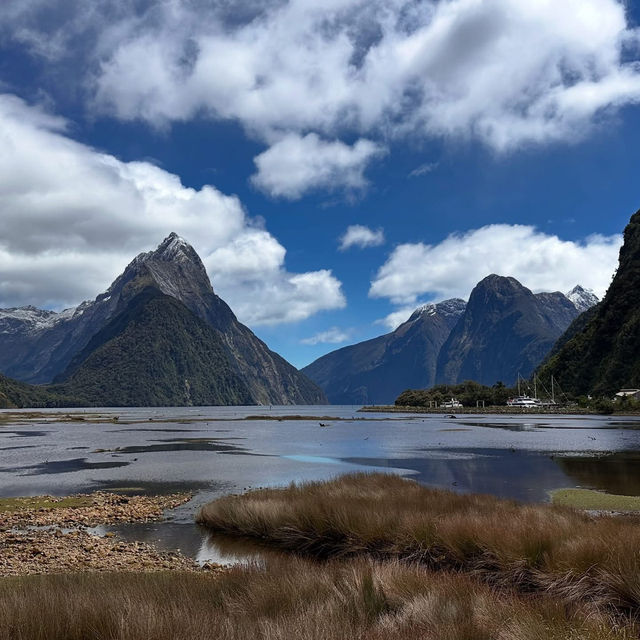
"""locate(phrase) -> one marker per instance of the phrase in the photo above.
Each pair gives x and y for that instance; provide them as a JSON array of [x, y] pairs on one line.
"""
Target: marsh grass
[[292, 599], [530, 548]]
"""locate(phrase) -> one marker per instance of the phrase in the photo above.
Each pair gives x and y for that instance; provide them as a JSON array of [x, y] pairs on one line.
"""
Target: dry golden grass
[[532, 548], [290, 600]]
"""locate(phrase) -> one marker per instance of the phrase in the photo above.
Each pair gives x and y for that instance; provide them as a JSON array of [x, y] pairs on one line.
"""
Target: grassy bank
[[529, 548], [294, 599]]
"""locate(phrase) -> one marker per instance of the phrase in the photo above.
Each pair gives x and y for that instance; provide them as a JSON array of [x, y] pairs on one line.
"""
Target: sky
[[335, 164]]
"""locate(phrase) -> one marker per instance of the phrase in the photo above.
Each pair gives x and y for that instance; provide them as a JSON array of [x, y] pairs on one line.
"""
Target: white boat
[[524, 401], [451, 404]]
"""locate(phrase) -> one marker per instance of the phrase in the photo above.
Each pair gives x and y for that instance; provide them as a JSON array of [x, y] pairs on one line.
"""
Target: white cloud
[[396, 318], [453, 267], [72, 218], [334, 335], [503, 71], [423, 169], [294, 165], [358, 235]]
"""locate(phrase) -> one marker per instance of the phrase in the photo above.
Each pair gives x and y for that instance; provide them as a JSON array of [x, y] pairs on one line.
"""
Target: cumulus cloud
[[72, 218], [502, 71], [334, 335], [505, 72], [358, 235], [453, 267], [393, 320], [295, 164]]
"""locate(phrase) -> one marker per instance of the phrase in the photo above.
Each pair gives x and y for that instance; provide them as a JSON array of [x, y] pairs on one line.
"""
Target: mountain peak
[[582, 298], [454, 306], [173, 247]]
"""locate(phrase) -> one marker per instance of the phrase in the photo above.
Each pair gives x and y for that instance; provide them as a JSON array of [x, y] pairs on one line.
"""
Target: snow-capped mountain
[[582, 298]]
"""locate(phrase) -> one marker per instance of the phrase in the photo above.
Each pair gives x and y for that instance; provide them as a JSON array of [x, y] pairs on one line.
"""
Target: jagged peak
[[444, 308], [582, 298]]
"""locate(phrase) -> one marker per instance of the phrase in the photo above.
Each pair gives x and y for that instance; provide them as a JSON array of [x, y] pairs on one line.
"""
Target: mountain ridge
[[599, 354], [40, 354]]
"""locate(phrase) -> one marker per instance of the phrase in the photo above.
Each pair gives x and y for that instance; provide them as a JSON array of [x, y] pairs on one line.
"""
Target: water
[[215, 451]]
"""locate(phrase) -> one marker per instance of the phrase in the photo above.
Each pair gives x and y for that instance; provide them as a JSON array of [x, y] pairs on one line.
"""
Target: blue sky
[[467, 136]]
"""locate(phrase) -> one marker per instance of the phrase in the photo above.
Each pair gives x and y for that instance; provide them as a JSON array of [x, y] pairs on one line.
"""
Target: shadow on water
[[23, 434], [184, 444], [63, 466], [626, 425]]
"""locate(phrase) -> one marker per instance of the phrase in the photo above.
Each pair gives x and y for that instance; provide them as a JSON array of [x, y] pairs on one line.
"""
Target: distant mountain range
[[504, 330], [377, 370], [158, 336], [600, 352]]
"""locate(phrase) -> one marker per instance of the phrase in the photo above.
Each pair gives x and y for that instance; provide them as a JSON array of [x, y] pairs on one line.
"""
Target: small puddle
[[191, 540]]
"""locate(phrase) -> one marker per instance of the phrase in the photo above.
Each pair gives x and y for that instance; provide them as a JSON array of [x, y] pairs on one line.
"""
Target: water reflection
[[225, 550], [523, 475], [614, 473]]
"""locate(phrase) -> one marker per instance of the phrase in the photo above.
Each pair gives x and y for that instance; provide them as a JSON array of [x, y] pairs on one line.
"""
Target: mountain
[[15, 394], [155, 353], [505, 330], [600, 354], [583, 299], [40, 346], [377, 370]]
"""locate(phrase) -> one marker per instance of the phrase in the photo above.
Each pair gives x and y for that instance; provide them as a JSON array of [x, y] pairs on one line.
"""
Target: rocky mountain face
[[600, 352], [377, 370], [154, 353], [39, 346], [583, 299], [505, 330]]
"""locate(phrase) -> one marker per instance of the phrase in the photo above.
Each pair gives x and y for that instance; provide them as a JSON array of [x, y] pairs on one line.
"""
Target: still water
[[213, 451]]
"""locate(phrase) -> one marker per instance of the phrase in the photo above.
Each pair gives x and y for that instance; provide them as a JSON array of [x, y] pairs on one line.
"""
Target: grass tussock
[[293, 599], [530, 548]]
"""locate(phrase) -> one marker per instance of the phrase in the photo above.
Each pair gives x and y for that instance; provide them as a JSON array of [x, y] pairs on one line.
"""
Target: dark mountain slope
[[377, 370], [155, 353], [14, 394], [505, 330], [38, 346], [602, 354]]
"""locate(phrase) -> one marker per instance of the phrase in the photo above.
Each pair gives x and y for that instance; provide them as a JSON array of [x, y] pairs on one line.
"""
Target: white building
[[634, 394]]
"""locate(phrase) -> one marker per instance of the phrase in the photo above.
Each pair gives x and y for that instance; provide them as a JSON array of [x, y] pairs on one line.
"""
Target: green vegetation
[[11, 505], [600, 353], [14, 394], [528, 548], [468, 393], [597, 500], [155, 353], [293, 599]]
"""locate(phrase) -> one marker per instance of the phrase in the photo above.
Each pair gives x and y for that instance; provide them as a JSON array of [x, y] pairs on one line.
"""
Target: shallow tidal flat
[[377, 581]]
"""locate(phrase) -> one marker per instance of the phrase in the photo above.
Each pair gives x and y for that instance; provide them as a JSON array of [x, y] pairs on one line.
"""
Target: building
[[633, 394]]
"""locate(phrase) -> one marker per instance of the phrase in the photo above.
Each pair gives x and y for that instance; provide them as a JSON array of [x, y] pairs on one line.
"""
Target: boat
[[524, 401], [451, 404]]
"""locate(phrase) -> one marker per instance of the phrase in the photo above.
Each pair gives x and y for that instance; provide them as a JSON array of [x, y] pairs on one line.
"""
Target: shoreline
[[49, 535], [577, 411]]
